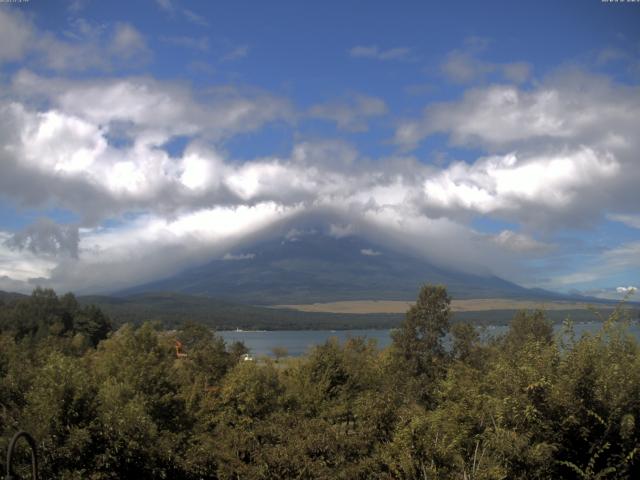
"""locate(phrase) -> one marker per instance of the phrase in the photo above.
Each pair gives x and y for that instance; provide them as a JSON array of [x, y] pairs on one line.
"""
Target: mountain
[[316, 267], [10, 297]]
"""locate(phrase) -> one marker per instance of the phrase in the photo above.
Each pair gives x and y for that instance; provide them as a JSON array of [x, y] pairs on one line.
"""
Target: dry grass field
[[469, 305]]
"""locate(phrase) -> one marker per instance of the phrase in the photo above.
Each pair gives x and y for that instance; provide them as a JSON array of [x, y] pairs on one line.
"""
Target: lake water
[[298, 342]]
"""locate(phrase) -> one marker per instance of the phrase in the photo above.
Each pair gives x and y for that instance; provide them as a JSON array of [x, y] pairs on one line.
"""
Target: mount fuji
[[306, 264]]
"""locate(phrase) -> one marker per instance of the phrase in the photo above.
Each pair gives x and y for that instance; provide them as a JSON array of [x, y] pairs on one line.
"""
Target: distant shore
[[466, 305]]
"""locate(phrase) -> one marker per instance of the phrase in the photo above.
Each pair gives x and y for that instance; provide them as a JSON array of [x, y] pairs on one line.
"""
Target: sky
[[139, 138]]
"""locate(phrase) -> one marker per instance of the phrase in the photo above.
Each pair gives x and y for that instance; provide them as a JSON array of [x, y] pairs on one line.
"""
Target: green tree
[[529, 326], [60, 412], [417, 344], [466, 346], [91, 322]]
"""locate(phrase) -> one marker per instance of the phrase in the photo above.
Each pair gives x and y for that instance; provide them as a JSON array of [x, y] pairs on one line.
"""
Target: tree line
[[105, 404]]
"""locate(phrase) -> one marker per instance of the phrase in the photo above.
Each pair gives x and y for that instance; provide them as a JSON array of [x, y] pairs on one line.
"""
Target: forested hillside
[[133, 403]]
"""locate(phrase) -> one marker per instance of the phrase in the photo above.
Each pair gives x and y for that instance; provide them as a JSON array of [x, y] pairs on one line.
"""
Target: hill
[[319, 268], [172, 310]]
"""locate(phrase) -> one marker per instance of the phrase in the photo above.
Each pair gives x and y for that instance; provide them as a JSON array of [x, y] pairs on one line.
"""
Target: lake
[[298, 342]]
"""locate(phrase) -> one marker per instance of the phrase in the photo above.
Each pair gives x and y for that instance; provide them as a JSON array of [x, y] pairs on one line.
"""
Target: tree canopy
[[123, 404]]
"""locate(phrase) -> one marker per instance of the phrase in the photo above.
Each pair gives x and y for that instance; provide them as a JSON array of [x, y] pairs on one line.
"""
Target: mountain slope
[[320, 268]]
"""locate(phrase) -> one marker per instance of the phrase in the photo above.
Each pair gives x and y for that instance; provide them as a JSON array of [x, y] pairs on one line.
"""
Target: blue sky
[[141, 137]]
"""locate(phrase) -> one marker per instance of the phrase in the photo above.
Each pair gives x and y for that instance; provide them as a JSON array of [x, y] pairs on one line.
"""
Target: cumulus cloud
[[376, 53], [517, 72], [46, 237], [65, 152], [152, 246], [156, 110], [465, 65], [84, 45], [67, 148], [353, 115], [539, 190], [18, 267], [92, 47], [16, 35], [127, 42], [568, 107], [562, 152], [341, 231], [567, 151], [627, 290]]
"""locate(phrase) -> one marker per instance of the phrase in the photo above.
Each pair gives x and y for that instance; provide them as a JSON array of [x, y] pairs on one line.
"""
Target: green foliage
[[128, 404], [44, 314], [417, 344]]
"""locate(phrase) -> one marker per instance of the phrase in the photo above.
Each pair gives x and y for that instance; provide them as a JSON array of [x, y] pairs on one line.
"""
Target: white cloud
[[574, 151], [463, 66], [151, 246], [165, 4], [92, 47], [201, 170], [570, 106], [537, 190], [84, 46], [342, 231], [374, 52], [627, 290], [629, 220], [127, 42], [294, 234], [612, 263], [193, 197], [173, 9], [353, 115], [63, 154], [517, 72], [270, 179], [623, 256], [16, 36], [368, 252], [241, 51], [21, 265], [193, 43], [520, 242], [576, 278], [75, 6], [561, 151], [239, 256], [151, 106], [45, 237], [163, 108], [195, 18]]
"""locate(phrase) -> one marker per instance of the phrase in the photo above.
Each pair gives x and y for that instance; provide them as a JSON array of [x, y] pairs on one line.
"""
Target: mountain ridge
[[315, 268]]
